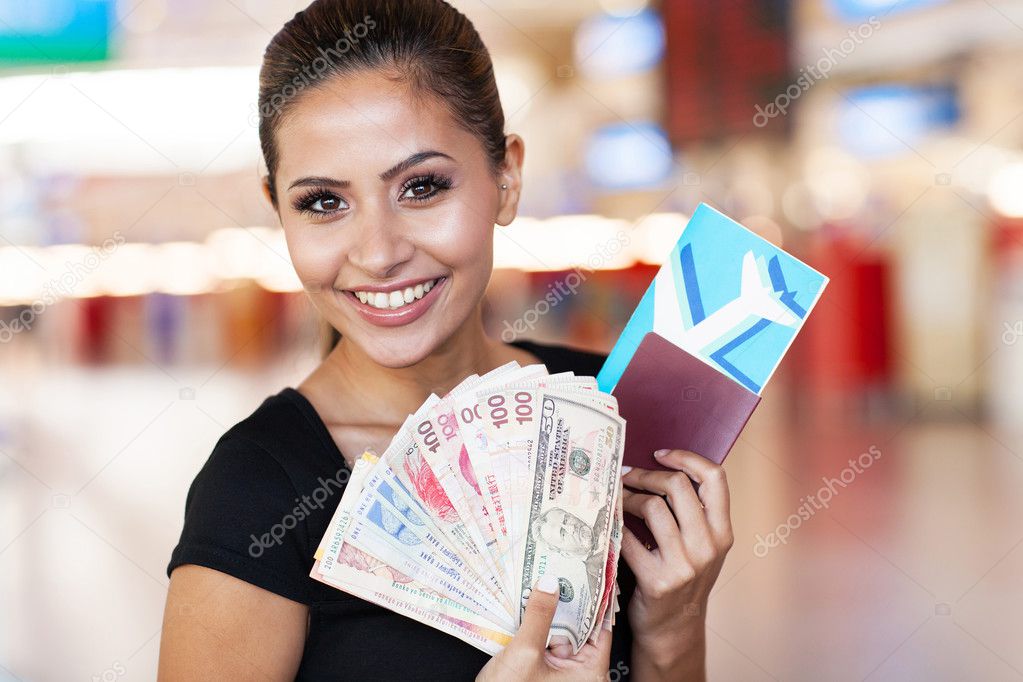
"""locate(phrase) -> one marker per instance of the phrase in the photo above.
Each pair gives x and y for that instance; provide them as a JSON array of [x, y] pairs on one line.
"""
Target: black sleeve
[[241, 518]]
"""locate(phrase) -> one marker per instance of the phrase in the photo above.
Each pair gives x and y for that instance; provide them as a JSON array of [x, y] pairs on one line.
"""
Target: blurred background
[[147, 301]]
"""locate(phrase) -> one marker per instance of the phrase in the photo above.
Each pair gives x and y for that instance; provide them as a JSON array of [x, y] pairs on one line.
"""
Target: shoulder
[[562, 358], [283, 434], [249, 509], [278, 421]]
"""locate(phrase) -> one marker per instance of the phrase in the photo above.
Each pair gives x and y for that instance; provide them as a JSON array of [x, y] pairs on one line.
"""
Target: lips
[[389, 307]]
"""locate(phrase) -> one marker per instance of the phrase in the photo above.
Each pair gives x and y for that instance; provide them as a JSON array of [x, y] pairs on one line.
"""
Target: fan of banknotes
[[511, 476]]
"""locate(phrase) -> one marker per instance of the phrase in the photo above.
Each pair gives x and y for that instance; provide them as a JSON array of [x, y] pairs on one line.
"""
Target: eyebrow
[[387, 175]]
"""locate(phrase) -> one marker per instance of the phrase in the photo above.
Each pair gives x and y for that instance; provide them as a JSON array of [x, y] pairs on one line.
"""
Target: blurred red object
[[846, 343]]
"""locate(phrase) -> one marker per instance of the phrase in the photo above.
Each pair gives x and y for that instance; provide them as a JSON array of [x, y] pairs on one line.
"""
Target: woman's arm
[[684, 658], [693, 531], [217, 627]]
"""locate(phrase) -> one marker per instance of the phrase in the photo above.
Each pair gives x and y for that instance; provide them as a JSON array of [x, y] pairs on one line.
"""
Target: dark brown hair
[[427, 46]]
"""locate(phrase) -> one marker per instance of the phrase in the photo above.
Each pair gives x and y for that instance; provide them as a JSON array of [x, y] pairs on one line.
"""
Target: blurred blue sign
[[858, 10], [43, 31], [609, 46], [887, 120], [628, 156]]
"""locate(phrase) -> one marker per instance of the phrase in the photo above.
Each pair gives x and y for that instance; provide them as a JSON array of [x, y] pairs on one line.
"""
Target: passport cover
[[670, 399]]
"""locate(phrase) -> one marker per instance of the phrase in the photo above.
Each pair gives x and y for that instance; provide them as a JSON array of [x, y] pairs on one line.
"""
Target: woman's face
[[388, 208]]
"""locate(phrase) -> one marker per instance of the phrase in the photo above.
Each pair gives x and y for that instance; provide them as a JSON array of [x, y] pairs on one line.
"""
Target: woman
[[388, 168]]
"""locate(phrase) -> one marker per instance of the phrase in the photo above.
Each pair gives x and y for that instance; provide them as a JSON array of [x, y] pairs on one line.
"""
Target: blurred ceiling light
[[157, 120], [259, 254], [973, 165], [610, 46], [563, 243], [23, 279], [514, 245], [131, 270], [282, 278], [656, 235], [185, 269], [1005, 191], [244, 253]]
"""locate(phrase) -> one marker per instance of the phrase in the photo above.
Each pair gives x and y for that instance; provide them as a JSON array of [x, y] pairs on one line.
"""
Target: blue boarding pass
[[725, 296]]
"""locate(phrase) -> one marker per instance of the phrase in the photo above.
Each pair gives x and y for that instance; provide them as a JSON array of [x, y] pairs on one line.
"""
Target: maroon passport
[[671, 399]]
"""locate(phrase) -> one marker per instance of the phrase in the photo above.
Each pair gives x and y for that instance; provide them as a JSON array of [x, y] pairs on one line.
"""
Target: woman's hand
[[693, 532], [527, 658]]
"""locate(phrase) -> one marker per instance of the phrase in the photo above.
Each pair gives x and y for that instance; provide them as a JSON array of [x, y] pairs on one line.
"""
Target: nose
[[380, 244]]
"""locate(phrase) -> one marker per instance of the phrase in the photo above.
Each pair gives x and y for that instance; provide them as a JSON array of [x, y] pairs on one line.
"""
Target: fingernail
[[547, 583], [626, 469], [661, 453]]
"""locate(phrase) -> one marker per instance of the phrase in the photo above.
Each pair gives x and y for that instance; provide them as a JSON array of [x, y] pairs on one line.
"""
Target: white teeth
[[390, 300]]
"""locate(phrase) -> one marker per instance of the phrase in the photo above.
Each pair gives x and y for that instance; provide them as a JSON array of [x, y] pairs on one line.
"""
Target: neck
[[398, 392]]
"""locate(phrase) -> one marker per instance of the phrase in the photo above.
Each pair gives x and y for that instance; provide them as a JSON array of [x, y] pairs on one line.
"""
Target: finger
[[658, 518], [560, 647], [540, 608], [603, 645], [642, 562], [713, 491], [593, 657], [682, 499]]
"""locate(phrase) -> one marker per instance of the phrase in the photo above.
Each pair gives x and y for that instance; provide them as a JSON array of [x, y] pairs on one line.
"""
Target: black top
[[259, 507]]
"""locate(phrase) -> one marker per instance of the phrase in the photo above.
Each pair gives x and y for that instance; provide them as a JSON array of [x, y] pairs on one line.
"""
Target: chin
[[397, 347], [398, 354]]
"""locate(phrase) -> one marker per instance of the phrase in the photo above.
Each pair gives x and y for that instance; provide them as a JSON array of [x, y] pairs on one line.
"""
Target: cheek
[[316, 263], [462, 236]]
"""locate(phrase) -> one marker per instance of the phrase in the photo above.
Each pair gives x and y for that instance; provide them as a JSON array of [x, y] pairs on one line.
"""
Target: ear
[[265, 186], [511, 175]]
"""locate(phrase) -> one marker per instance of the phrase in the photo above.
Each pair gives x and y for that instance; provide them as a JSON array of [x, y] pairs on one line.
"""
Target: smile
[[396, 298], [396, 306]]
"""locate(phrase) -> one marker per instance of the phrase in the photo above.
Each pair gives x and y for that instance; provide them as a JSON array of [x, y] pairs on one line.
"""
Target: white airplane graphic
[[757, 299]]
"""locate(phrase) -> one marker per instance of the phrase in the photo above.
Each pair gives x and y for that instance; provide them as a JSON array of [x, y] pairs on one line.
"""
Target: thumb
[[536, 622]]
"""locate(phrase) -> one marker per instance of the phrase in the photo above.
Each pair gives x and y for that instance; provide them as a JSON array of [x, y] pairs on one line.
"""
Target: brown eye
[[420, 188], [319, 203], [425, 188]]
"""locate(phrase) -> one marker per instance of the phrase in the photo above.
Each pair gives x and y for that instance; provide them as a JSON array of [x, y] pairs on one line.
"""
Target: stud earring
[[504, 186]]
